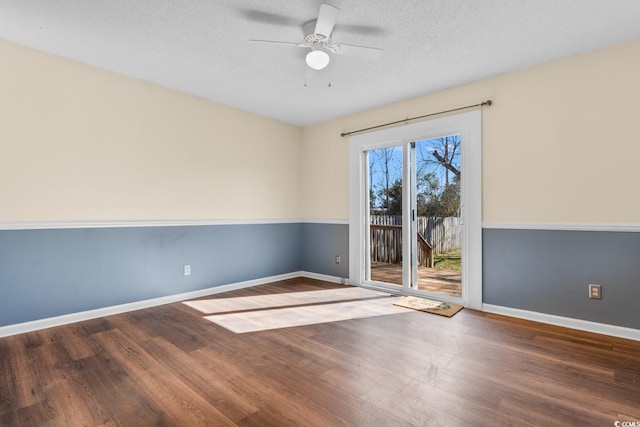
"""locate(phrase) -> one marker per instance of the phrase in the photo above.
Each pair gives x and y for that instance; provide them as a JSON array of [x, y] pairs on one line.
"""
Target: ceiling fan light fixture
[[317, 59]]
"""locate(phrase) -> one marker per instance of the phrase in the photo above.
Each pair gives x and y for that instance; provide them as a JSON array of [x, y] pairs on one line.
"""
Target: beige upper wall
[[82, 144], [560, 144]]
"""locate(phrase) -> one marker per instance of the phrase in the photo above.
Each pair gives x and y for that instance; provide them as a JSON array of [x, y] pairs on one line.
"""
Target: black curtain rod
[[408, 119]]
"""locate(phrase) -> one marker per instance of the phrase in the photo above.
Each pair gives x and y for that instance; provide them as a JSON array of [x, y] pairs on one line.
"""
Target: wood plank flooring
[[169, 366]]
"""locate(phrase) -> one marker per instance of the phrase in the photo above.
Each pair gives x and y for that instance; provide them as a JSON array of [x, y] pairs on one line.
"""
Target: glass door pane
[[439, 222], [384, 192]]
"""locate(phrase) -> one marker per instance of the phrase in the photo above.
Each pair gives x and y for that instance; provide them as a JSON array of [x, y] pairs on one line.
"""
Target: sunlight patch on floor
[[258, 302], [262, 320]]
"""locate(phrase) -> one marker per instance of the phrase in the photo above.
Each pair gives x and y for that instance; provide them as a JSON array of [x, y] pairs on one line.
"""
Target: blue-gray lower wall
[[549, 272], [46, 273], [321, 243]]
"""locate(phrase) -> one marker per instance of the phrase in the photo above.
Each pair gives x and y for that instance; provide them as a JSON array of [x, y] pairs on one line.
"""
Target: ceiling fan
[[317, 38]]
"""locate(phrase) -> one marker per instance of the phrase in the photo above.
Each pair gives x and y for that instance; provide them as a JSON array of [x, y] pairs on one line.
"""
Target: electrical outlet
[[187, 270], [595, 292], [338, 259]]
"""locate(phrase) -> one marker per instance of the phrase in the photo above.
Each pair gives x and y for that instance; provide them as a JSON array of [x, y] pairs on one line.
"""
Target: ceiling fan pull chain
[[305, 76]]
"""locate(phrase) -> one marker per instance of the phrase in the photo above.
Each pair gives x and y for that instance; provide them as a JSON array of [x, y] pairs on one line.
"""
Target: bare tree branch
[[447, 164]]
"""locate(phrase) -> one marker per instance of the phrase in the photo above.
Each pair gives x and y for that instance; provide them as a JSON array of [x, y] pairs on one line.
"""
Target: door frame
[[469, 126]]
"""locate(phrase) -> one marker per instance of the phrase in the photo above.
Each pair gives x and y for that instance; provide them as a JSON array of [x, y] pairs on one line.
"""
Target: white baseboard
[[324, 277], [50, 322], [584, 325], [567, 322]]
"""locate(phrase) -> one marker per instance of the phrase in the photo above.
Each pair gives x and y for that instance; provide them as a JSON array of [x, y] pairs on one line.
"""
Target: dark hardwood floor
[[169, 366]]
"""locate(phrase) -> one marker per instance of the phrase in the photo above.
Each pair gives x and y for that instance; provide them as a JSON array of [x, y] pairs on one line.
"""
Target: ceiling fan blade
[[326, 20], [279, 43], [363, 52], [268, 18]]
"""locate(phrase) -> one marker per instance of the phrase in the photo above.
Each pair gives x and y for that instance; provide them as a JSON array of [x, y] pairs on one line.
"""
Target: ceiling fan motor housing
[[311, 38], [317, 41]]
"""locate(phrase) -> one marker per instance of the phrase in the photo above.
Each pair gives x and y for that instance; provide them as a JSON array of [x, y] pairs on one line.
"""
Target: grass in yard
[[448, 261]]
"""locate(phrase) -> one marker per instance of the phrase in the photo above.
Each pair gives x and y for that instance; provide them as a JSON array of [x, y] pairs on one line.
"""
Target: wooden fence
[[444, 234]]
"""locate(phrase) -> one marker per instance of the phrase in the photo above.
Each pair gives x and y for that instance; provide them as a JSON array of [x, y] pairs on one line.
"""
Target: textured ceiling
[[202, 47]]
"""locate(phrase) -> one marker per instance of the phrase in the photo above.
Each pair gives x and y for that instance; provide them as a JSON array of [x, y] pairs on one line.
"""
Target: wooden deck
[[448, 282]]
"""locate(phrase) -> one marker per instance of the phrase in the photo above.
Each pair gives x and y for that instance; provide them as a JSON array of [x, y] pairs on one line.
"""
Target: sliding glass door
[[412, 194], [432, 261]]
